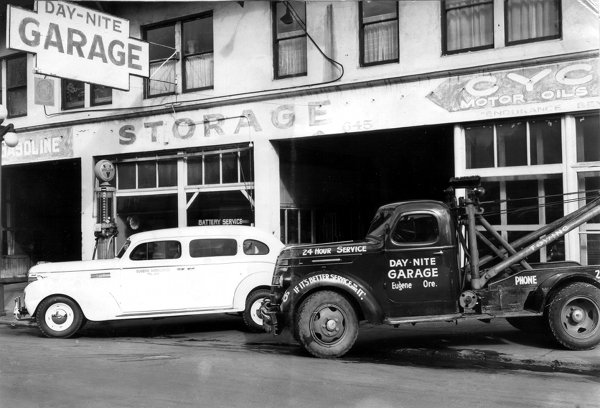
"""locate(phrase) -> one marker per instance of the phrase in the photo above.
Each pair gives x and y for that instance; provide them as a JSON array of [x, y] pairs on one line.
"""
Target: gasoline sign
[[78, 43]]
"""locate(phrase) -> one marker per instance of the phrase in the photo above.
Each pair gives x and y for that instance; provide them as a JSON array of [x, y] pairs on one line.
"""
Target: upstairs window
[[183, 49], [532, 20], [16, 86], [378, 32], [100, 95], [73, 94], [289, 48], [468, 25]]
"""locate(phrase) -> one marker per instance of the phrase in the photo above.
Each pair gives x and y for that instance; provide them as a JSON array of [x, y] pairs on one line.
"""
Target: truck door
[[421, 265]]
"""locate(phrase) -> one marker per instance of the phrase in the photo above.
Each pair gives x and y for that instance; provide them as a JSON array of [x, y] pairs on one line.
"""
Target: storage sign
[[78, 43]]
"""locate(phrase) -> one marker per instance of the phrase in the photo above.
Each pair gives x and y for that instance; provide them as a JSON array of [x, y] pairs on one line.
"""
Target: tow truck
[[429, 261]]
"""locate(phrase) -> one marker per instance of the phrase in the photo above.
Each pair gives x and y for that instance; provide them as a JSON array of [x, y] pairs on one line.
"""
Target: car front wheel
[[326, 324], [251, 318], [59, 316], [574, 316]]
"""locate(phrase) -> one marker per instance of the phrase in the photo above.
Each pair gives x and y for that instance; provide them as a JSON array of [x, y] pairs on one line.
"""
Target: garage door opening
[[331, 186], [42, 211]]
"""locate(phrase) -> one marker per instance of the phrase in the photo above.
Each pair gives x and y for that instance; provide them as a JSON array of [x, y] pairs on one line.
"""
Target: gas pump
[[105, 229]]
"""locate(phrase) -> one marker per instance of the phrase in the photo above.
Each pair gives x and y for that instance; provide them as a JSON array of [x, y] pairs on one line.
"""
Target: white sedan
[[170, 272]]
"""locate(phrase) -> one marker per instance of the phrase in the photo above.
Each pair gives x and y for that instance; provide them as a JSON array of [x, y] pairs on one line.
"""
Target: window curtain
[[381, 42], [199, 71], [469, 24], [292, 56], [528, 19], [163, 78]]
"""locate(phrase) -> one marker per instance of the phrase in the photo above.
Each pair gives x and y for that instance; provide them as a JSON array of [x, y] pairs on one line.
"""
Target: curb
[[490, 359]]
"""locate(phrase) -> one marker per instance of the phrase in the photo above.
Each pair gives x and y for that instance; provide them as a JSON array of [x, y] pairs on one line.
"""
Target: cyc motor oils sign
[[78, 43]]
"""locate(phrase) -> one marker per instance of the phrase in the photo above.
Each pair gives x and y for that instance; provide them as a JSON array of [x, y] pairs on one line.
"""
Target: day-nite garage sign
[[78, 43]]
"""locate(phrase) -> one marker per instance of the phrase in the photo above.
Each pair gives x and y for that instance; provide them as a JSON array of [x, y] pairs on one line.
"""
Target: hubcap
[[59, 316], [580, 318], [254, 312], [328, 325]]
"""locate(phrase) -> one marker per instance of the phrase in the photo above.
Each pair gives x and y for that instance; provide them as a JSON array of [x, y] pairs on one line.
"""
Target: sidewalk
[[484, 345]]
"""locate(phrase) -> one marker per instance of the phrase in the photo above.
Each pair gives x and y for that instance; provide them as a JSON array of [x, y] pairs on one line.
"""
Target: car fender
[[85, 295], [249, 283], [357, 290]]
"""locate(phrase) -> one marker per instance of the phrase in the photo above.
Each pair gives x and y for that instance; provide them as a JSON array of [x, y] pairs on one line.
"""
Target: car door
[[217, 271], [420, 278], [150, 278]]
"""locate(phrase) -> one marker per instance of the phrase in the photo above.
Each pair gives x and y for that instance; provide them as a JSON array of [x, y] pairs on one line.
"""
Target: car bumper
[[20, 311]]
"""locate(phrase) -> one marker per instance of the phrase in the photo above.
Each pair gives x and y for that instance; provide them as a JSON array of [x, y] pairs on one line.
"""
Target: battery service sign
[[78, 43]]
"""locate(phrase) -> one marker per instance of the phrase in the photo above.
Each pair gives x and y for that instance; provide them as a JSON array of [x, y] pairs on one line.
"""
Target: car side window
[[156, 250], [201, 248], [254, 247], [414, 228]]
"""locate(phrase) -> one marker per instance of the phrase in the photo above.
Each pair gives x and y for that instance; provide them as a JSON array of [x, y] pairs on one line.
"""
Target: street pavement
[[487, 345]]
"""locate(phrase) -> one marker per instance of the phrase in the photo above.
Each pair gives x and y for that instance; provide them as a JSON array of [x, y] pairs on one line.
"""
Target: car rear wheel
[[326, 324], [574, 316], [59, 316], [250, 315]]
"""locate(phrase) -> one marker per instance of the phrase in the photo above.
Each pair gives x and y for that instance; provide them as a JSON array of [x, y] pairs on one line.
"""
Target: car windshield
[[377, 227], [123, 248]]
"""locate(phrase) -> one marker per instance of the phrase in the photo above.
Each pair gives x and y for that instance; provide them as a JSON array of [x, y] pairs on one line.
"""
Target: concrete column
[[266, 186], [88, 215]]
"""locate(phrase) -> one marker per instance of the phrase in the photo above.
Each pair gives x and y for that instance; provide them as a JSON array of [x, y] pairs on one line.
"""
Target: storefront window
[[480, 146], [589, 186], [545, 141], [514, 143], [220, 168], [588, 138], [146, 174], [516, 207], [212, 171]]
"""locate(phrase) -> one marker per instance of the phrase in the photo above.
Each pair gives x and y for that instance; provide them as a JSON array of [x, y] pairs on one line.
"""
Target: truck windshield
[[377, 227], [123, 248]]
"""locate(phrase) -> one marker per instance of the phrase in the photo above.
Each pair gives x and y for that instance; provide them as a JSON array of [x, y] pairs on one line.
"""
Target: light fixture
[[287, 18]]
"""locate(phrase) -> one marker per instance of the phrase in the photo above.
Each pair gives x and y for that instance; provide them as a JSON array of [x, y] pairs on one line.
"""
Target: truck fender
[[544, 292], [358, 292]]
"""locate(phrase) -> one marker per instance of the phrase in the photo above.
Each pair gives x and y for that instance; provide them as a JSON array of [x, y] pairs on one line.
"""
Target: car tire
[[250, 315], [574, 316], [530, 324], [59, 316], [326, 324]]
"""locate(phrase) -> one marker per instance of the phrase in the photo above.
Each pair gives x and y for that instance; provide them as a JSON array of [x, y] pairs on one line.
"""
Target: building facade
[[301, 118]]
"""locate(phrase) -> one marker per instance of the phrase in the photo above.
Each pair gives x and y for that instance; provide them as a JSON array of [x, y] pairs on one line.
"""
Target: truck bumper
[[269, 313]]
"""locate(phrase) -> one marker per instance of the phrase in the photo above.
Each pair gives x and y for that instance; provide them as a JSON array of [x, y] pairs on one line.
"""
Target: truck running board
[[420, 319]]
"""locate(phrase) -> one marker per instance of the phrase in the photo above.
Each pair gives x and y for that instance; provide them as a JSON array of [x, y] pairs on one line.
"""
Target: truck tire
[[529, 324], [59, 316], [326, 324], [574, 316], [250, 315]]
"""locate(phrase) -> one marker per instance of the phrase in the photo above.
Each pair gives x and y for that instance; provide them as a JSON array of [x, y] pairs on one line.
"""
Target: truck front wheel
[[326, 324], [574, 316]]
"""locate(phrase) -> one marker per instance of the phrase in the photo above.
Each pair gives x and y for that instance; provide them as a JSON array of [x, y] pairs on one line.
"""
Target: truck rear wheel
[[574, 316], [326, 324]]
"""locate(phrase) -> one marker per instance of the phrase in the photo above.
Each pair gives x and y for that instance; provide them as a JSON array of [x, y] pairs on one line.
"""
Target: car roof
[[233, 231]]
